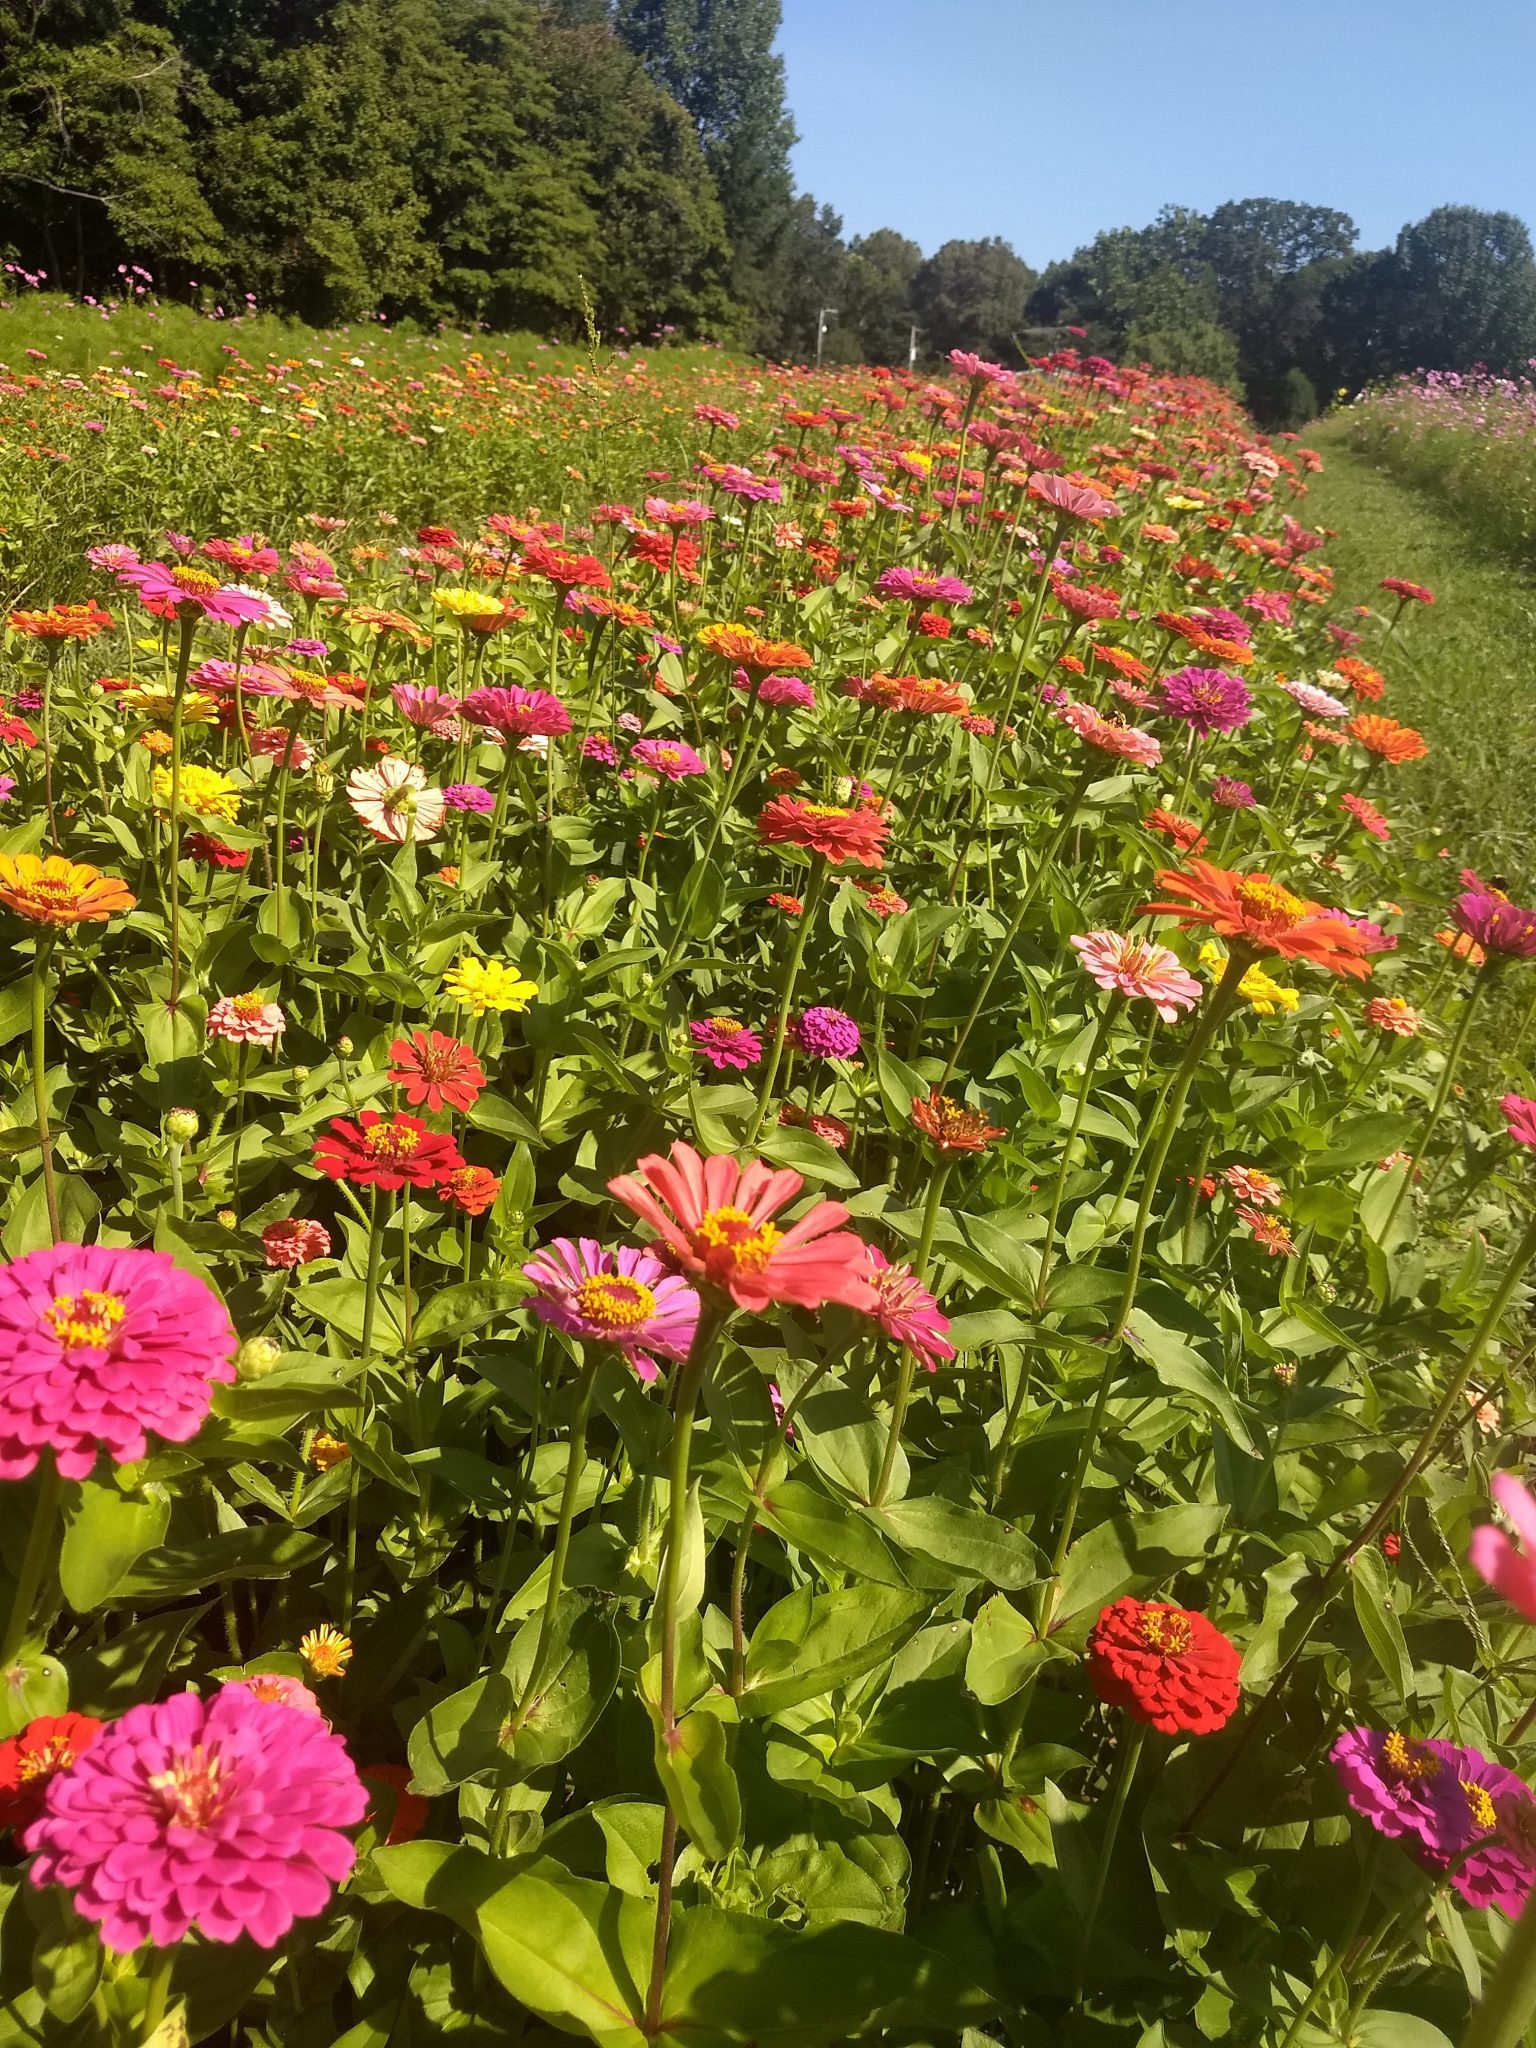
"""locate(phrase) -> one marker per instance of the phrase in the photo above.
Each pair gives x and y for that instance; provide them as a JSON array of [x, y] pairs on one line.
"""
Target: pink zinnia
[[1123, 742], [1509, 1569], [1497, 924], [1520, 1117], [192, 593], [777, 690], [516, 713], [295, 1241], [1135, 967], [275, 1685], [247, 1020], [668, 759], [97, 1345], [716, 1217], [1071, 501], [434, 710], [1317, 702], [1207, 700], [223, 1814], [625, 1297], [725, 1043], [921, 586], [906, 1311]]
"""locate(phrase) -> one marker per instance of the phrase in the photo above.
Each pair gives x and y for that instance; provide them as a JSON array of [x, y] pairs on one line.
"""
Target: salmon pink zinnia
[[715, 1216], [1135, 967]]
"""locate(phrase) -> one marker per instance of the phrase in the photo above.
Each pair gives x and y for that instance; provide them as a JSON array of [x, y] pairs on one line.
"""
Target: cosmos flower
[[625, 1297]]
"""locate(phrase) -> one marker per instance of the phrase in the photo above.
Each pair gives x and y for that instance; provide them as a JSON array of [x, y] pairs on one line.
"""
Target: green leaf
[[1133, 1553], [828, 1534], [1178, 1365], [965, 1539], [1371, 1588], [1004, 1650], [845, 1440], [454, 1310], [694, 1767], [268, 1550], [34, 1684], [809, 1643], [1363, 1141], [106, 1536], [1381, 2029]]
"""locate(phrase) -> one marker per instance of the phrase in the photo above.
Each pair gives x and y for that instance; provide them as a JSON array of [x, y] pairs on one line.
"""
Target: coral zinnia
[[62, 622], [625, 1297], [436, 1070], [1261, 916], [1164, 1665], [857, 836], [98, 1345], [471, 1189], [294, 1241], [743, 648], [57, 891], [951, 1126], [716, 1218], [1387, 739], [1135, 967], [222, 1814], [31, 1760], [385, 1151]]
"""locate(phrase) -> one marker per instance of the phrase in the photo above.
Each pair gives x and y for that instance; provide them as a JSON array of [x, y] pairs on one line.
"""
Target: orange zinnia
[[747, 649], [1260, 916], [1384, 736], [63, 622], [60, 891]]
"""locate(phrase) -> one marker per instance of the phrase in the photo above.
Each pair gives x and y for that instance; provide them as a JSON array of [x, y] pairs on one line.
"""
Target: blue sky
[[1046, 120]]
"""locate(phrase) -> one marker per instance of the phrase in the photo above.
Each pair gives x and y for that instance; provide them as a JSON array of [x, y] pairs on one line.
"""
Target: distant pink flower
[[1314, 701], [246, 1020], [393, 800], [1520, 1116], [191, 593], [725, 1043], [671, 760], [625, 1297], [825, 1034], [1393, 1014], [99, 1344], [921, 586], [906, 1311], [1135, 967], [1508, 1567], [973, 367], [598, 747], [468, 796], [1109, 736], [1231, 794], [1072, 501], [295, 1241], [113, 556], [777, 690], [276, 1685], [516, 713], [276, 743], [434, 710], [225, 1815], [1257, 1190], [1497, 924]]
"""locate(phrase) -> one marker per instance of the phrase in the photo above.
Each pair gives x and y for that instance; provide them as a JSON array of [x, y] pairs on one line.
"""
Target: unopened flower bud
[[301, 1073], [226, 1219], [182, 1125], [345, 1047], [1285, 1372], [257, 1357]]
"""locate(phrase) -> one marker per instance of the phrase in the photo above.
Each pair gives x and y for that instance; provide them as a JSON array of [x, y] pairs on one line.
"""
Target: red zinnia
[[857, 837], [1165, 1665], [435, 1069], [1400, 587], [395, 1812], [471, 1189], [29, 1760], [386, 1152]]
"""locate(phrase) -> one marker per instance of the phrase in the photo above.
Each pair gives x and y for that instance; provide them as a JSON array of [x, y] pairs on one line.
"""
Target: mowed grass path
[[1463, 670]]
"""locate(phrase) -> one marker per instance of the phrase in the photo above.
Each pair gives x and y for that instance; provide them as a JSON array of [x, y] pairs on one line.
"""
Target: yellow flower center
[[824, 811], [748, 1245], [726, 1024], [42, 1763], [248, 1007], [191, 1792], [1480, 1805], [1407, 1761], [392, 1140], [615, 1302], [1167, 1632], [196, 582], [1270, 903], [86, 1318]]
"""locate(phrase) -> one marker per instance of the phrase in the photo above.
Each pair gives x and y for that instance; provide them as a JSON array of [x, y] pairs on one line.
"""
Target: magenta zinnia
[[907, 1312], [225, 1815], [99, 1345], [625, 1297], [518, 714]]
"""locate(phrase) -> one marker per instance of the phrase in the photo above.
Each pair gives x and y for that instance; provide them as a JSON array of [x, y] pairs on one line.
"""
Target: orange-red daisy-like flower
[[1185, 834], [28, 1762], [1364, 680], [1164, 1665], [840, 836], [62, 622], [1387, 739], [56, 891], [951, 1126], [435, 1069], [715, 1216], [471, 1189], [1260, 915], [386, 1152], [746, 649]]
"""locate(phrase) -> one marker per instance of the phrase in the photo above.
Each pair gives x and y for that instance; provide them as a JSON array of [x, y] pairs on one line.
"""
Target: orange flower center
[[823, 811], [393, 1140], [1407, 1761], [248, 1008], [86, 1318], [1269, 903], [196, 582], [54, 1755], [191, 1792], [1167, 1631], [615, 1302], [749, 1245]]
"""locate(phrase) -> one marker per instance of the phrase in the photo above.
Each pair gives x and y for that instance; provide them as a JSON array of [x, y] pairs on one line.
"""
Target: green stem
[[575, 1464], [807, 918], [370, 1307], [908, 1368], [1499, 2019], [1130, 1756], [40, 1540], [242, 1052], [1058, 1187], [1339, 1949], [40, 958], [178, 702], [1442, 1096], [284, 773], [157, 1993]]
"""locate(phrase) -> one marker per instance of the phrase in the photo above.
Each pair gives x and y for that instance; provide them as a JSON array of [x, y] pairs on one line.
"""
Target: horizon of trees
[[510, 163]]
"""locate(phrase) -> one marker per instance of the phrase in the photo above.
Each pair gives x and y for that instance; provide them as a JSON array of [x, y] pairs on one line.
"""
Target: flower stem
[[157, 1993], [1130, 1756], [40, 958], [370, 1306], [575, 1464], [1499, 2019], [813, 897], [1442, 1096], [1338, 1949], [40, 1540], [1058, 1187], [908, 1369], [178, 703]]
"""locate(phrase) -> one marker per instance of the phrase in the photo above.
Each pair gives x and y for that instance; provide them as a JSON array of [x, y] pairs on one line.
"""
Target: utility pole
[[912, 348], [821, 329]]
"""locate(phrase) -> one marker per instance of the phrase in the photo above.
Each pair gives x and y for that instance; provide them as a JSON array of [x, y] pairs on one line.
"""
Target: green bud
[[182, 1125], [257, 1357]]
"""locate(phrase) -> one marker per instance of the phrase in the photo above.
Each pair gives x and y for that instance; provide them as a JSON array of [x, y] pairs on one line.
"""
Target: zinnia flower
[[56, 891], [626, 1297], [295, 1241], [468, 796], [1136, 967], [1231, 794], [825, 1034], [951, 1126], [202, 790], [1207, 700], [716, 1218], [471, 1189], [183, 593], [436, 1070], [98, 1345], [669, 759], [1261, 915], [920, 586], [1509, 1568], [326, 1650], [482, 985], [1402, 1787], [743, 648], [1401, 588], [223, 1814], [433, 710], [518, 714], [385, 1151], [62, 622], [1258, 1190], [31, 1760], [246, 1020], [1165, 1666], [1385, 738], [726, 1043], [906, 1311], [1520, 1117], [1392, 1013], [1317, 702], [1069, 500], [1365, 815], [856, 837], [394, 802], [1496, 924]]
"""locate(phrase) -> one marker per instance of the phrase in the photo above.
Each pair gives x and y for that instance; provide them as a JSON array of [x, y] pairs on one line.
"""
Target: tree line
[[526, 165]]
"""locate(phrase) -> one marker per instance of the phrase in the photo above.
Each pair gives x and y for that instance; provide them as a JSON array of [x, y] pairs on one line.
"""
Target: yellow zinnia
[[203, 790], [1260, 990], [157, 701], [466, 604], [482, 985]]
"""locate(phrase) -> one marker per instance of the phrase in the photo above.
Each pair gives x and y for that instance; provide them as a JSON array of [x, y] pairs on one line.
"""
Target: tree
[[876, 294], [1466, 284], [973, 295], [811, 259]]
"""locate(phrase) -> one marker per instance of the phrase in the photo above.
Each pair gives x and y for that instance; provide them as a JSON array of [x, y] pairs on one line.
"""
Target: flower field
[[1468, 438], [762, 1281]]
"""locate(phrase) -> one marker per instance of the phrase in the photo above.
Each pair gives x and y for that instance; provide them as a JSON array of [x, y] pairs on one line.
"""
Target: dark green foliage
[[973, 295]]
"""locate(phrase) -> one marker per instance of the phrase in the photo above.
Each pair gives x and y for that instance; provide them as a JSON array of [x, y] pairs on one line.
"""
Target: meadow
[[766, 1273]]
